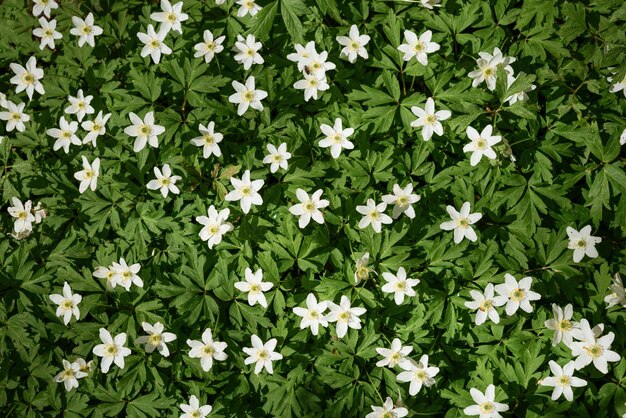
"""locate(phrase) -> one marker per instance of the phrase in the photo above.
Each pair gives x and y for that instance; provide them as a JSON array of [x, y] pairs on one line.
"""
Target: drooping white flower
[[65, 135], [618, 86], [39, 212], [95, 128], [27, 78], [111, 350], [373, 214], [618, 297], [517, 294], [562, 324], [208, 140], [68, 304], [486, 406], [85, 30], [402, 199], [170, 17], [247, 7], [254, 286], [194, 410], [582, 242], [353, 44], [485, 305], [88, 176], [429, 120], [248, 51], [153, 43], [388, 410], [429, 4], [156, 338], [563, 380], [313, 314], [262, 354], [144, 131], [44, 6], [126, 275], [215, 225], [164, 181], [15, 116], [277, 157], [246, 191], [209, 47], [247, 96], [362, 272], [418, 47], [488, 68], [80, 105], [399, 285], [311, 84], [207, 350], [70, 375], [419, 374], [336, 138], [344, 315], [517, 97], [86, 367], [309, 208], [22, 213], [481, 144], [396, 355], [47, 32], [592, 347], [461, 223]]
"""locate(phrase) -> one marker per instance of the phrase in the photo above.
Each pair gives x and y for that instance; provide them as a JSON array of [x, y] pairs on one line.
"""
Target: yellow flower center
[[263, 355], [517, 295], [67, 304], [581, 243], [489, 71], [213, 230], [421, 375], [431, 119], [255, 288], [486, 305], [250, 52], [354, 45], [68, 373], [111, 349], [402, 201], [564, 380], [486, 408], [419, 46], [208, 350], [362, 272], [344, 316], [594, 350], [155, 43], [309, 206], [210, 46], [374, 215], [165, 182], [15, 116], [248, 95], [246, 191], [145, 130], [481, 143], [22, 215], [313, 315], [565, 325], [463, 222], [47, 33], [66, 134], [96, 127], [89, 174], [154, 339], [171, 17], [86, 30], [401, 285]]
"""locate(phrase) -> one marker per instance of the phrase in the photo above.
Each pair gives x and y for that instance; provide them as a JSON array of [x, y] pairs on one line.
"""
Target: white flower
[[429, 4], [247, 6], [68, 304], [353, 44], [311, 84], [488, 68], [485, 305], [164, 181], [111, 350], [312, 315], [461, 223], [316, 64], [362, 272], [336, 138], [563, 380], [39, 212], [262, 354], [254, 286], [215, 225], [387, 410], [396, 355], [481, 144], [107, 274], [47, 32], [618, 86], [373, 214], [88, 176], [27, 78], [344, 315], [207, 350], [3, 100], [144, 131], [44, 6], [622, 138], [156, 338], [247, 96], [22, 213], [277, 157], [399, 285], [582, 242], [170, 17], [593, 348], [65, 134], [209, 47], [86, 367], [85, 30], [95, 128], [486, 406], [517, 97], [80, 105], [302, 55], [428, 119], [402, 199], [562, 324], [618, 297], [248, 51], [14, 116], [419, 374], [418, 47], [309, 208], [208, 140], [246, 191], [70, 375], [516, 294], [153, 43], [194, 410], [126, 275]]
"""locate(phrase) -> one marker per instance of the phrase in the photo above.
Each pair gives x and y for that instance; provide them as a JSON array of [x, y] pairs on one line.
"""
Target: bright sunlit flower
[[65, 135], [95, 128], [215, 225], [562, 380], [209, 140], [399, 285], [70, 375], [618, 297], [488, 68], [44, 6], [418, 47], [373, 214], [24, 218], [68, 304], [207, 350], [247, 7], [170, 17], [85, 30], [486, 406], [362, 272], [111, 350], [262, 354], [246, 192], [255, 287], [156, 338], [485, 305], [80, 105], [344, 315], [402, 201], [353, 44], [145, 131], [562, 324], [248, 51], [461, 223], [88, 176], [388, 410], [313, 314], [47, 32], [209, 47], [247, 96], [311, 84], [336, 138], [164, 181], [517, 294], [481, 144], [395, 355], [593, 348], [309, 208], [277, 157], [194, 410], [418, 373], [428, 119], [15, 116], [126, 275], [27, 78], [582, 242], [153, 43]]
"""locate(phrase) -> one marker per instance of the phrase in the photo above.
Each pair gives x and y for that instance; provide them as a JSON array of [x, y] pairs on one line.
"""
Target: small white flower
[[246, 191], [22, 213], [95, 128], [247, 7], [461, 223], [194, 410], [481, 144], [248, 51], [27, 78], [164, 181], [562, 324], [209, 47], [429, 4], [215, 225], [309, 208], [39, 212], [126, 275], [47, 32], [85, 30], [44, 6], [516, 294], [593, 348], [563, 380], [85, 367], [387, 410], [156, 338], [396, 355], [262, 354], [277, 157], [312, 315], [486, 406], [311, 84], [153, 43], [80, 105], [317, 64], [88, 176], [485, 305], [399, 285], [344, 315], [107, 274], [419, 374], [111, 350], [517, 97], [14, 116], [418, 47], [353, 44], [65, 135], [582, 242], [302, 55], [247, 96], [254, 286], [488, 68], [402, 199], [373, 214], [68, 304], [618, 297], [336, 138], [208, 140], [362, 272], [170, 17], [70, 375], [144, 131], [207, 350], [428, 119]]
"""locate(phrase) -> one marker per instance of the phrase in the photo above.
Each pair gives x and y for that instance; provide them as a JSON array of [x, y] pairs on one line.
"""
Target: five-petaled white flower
[[70, 375], [27, 78], [248, 51], [14, 116], [388, 410], [336, 138], [208, 140], [126, 275], [486, 406], [44, 6], [419, 374], [80, 105], [485, 305], [88, 176], [311, 84], [418, 47], [65, 135], [309, 208], [562, 324], [353, 44], [582, 242], [247, 96], [164, 181], [68, 304], [516, 294], [277, 157], [618, 297], [399, 285], [402, 199], [312, 315], [488, 68], [153, 43], [111, 350], [156, 338], [246, 191], [593, 348], [207, 350], [262, 354], [85, 30], [95, 128], [563, 380], [144, 131], [362, 272], [170, 17], [47, 32], [373, 214], [247, 7], [254, 286], [209, 47], [344, 315], [24, 218], [428, 119], [461, 223], [215, 225], [481, 144], [194, 410], [395, 355]]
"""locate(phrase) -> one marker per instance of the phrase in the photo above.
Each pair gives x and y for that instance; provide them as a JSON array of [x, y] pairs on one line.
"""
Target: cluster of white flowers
[[313, 66], [343, 314], [120, 273], [25, 215]]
